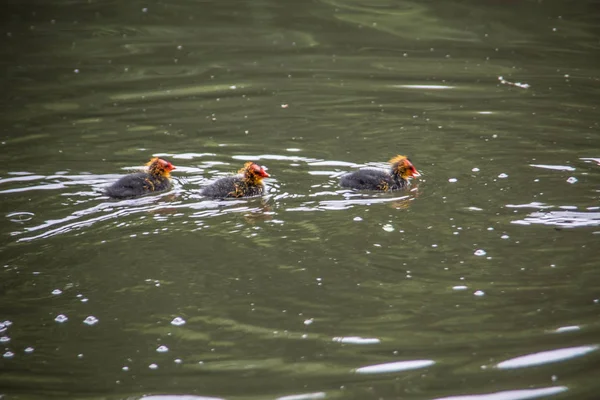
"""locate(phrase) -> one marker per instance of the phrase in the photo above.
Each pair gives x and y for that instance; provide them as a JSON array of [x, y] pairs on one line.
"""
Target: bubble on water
[[125, 368], [475, 169], [4, 339], [572, 179], [178, 321], [388, 228], [502, 175], [8, 354], [459, 287], [480, 252], [61, 318], [504, 237], [29, 350], [479, 293], [76, 70], [153, 366], [162, 349], [452, 180], [357, 219], [178, 361], [91, 320], [308, 321], [56, 292]]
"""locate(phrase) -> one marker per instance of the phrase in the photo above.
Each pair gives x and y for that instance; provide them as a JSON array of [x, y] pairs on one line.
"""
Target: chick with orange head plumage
[[155, 179], [398, 177], [247, 183]]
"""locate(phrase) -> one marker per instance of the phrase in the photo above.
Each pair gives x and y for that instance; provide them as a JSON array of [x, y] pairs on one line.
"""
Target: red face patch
[[260, 171], [166, 164]]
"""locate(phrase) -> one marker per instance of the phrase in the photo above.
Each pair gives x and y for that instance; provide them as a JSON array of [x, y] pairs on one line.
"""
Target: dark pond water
[[480, 283]]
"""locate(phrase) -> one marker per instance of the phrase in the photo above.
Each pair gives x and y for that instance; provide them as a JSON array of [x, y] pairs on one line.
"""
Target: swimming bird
[[155, 179], [248, 182], [401, 170]]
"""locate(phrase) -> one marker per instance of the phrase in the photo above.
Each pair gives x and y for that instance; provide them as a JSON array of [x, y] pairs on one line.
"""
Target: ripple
[[304, 396], [546, 357], [20, 216], [430, 87], [347, 203], [356, 340], [523, 394], [535, 204], [179, 397], [554, 167], [394, 367], [564, 219], [570, 328]]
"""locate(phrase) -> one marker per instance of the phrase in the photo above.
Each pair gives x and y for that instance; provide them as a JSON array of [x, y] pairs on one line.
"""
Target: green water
[[480, 283]]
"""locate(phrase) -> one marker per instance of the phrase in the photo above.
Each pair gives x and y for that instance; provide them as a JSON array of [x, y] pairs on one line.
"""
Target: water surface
[[478, 283]]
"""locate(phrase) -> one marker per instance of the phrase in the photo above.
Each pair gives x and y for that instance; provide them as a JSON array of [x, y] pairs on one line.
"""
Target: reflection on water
[[465, 286]]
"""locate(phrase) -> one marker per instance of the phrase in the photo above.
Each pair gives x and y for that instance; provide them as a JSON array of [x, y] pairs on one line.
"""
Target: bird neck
[[252, 179]]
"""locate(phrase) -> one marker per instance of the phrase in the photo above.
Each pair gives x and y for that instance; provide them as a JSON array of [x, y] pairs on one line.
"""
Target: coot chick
[[247, 183], [155, 179], [375, 179]]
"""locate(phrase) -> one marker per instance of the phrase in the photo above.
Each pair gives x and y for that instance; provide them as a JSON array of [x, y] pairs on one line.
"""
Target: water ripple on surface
[[523, 394], [347, 203], [356, 340], [546, 357], [304, 396], [64, 224], [563, 219], [398, 366], [554, 167], [179, 397]]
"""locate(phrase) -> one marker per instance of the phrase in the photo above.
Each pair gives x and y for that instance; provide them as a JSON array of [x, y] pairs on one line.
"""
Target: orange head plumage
[[253, 173], [158, 166], [402, 167]]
